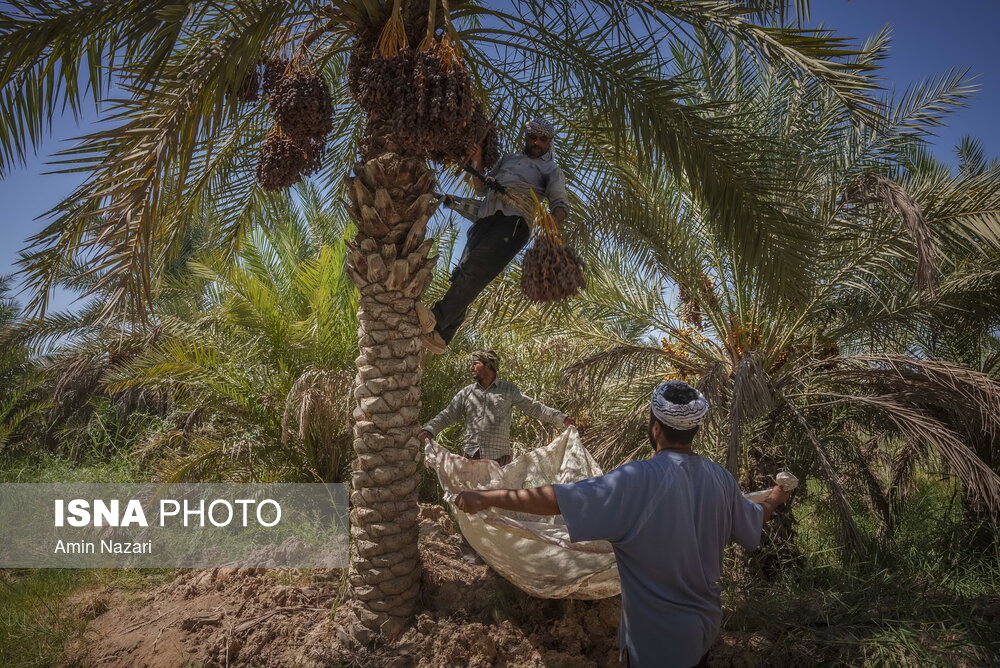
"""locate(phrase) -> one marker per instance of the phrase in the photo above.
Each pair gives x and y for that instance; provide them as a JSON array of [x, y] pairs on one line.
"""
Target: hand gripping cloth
[[533, 552]]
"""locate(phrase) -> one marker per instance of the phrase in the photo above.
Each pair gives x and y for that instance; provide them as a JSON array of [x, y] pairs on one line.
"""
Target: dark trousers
[[493, 242]]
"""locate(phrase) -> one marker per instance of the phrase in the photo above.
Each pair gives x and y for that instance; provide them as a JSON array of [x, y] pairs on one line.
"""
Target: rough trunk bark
[[388, 261]]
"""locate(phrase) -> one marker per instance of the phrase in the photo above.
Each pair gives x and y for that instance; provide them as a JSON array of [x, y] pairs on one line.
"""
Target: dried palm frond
[[751, 398], [317, 415], [901, 472], [876, 189], [982, 484], [714, 384], [863, 463], [849, 530], [971, 398]]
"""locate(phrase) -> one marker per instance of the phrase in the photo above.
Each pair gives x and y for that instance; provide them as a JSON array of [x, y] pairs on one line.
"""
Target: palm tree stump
[[388, 261]]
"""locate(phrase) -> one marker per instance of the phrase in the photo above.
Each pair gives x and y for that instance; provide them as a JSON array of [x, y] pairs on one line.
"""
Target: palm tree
[[180, 138], [247, 363], [19, 398], [260, 373], [839, 383]]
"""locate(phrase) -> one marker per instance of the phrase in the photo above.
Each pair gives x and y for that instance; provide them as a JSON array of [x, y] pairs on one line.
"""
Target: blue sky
[[929, 38]]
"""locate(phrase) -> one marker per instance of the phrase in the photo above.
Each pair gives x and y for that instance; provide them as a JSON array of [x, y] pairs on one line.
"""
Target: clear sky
[[929, 38]]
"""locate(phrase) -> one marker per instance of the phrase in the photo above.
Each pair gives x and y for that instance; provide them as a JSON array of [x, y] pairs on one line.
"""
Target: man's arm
[[594, 509], [476, 162], [771, 502], [537, 501], [540, 411], [451, 414], [749, 517], [555, 191]]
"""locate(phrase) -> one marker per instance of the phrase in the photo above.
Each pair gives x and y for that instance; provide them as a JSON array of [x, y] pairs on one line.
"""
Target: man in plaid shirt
[[487, 405]]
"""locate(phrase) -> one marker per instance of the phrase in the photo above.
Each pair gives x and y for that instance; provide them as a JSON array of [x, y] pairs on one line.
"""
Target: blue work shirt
[[668, 519]]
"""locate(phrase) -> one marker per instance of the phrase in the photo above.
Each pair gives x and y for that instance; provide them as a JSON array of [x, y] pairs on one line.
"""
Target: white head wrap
[[679, 416], [540, 126]]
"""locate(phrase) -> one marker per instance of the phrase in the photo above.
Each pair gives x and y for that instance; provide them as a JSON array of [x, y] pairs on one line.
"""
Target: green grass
[[35, 622], [925, 594], [53, 468], [867, 618]]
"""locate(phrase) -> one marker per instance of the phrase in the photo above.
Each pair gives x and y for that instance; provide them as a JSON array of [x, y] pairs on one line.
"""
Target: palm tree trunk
[[388, 261]]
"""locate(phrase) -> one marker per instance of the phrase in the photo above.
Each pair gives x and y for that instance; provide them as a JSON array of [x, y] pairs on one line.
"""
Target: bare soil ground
[[471, 618]]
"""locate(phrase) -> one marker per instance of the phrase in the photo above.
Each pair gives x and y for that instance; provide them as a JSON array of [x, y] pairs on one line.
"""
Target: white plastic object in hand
[[785, 480]]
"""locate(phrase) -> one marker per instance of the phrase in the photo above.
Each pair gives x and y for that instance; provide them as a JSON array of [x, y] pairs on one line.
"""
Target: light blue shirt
[[668, 519], [517, 170]]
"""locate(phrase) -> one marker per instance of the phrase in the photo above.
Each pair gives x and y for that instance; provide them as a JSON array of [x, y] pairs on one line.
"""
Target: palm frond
[[752, 397], [873, 188], [838, 494]]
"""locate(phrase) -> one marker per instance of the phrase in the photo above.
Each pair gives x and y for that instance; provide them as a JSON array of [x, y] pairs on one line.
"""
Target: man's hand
[[472, 502], [775, 498], [425, 436], [476, 156], [569, 422], [778, 495]]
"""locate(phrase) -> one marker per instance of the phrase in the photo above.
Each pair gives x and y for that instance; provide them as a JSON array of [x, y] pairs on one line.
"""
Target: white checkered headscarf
[[679, 416], [540, 126]]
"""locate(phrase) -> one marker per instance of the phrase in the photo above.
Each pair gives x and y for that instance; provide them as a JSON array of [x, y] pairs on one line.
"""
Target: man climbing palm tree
[[501, 231]]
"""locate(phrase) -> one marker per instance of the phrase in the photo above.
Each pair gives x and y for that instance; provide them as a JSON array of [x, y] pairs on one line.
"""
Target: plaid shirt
[[487, 413]]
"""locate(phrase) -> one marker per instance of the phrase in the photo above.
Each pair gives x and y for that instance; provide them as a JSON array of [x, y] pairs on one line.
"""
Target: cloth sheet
[[531, 551]]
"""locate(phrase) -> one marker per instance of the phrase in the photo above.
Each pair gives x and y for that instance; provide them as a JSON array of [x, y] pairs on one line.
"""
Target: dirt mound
[[258, 617], [213, 617], [470, 618]]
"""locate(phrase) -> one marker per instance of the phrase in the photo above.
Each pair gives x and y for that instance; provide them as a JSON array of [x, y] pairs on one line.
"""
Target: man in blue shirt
[[668, 519], [501, 230]]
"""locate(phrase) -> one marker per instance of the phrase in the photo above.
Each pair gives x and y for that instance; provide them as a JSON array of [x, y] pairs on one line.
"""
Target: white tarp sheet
[[532, 551]]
